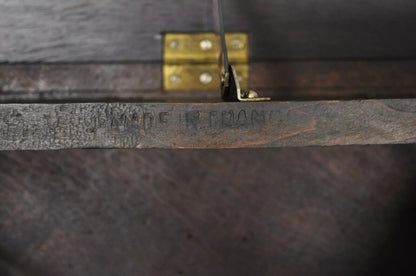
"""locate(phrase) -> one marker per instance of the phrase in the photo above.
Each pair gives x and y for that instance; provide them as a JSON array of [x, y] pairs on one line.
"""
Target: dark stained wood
[[293, 211], [283, 80], [315, 80], [334, 74], [35, 78], [287, 211], [220, 125], [126, 30]]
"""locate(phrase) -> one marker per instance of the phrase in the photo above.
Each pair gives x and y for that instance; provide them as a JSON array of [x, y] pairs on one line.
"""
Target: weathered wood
[[86, 30], [291, 212], [35, 78], [284, 80], [221, 125], [336, 79]]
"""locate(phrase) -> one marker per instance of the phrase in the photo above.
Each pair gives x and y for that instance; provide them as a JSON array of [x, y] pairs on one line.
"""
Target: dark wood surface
[[126, 30], [142, 82], [294, 211], [204, 125]]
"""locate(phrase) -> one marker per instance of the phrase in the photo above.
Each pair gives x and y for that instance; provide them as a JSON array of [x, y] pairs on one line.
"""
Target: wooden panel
[[284, 80], [294, 80], [222, 125], [334, 74], [303, 211], [97, 30]]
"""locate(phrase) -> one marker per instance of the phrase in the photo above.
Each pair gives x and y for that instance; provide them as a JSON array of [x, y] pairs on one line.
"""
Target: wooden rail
[[141, 82], [206, 125]]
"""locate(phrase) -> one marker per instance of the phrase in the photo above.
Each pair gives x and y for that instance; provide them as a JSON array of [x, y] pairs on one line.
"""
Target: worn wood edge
[[206, 126]]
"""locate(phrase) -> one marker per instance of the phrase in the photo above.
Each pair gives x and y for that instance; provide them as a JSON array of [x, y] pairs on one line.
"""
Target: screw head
[[174, 78], [174, 44], [206, 44], [205, 78], [237, 44], [252, 94]]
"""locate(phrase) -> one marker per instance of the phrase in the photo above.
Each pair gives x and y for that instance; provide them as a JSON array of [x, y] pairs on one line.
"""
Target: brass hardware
[[230, 87], [188, 77], [191, 60], [203, 48]]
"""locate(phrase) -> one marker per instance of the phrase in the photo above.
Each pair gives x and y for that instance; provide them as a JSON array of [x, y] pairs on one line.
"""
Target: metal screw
[[252, 94], [205, 78], [175, 78], [237, 44], [174, 44], [205, 44]]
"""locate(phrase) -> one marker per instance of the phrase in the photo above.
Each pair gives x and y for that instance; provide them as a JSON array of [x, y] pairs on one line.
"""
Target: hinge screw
[[205, 78], [205, 44], [175, 78], [252, 94], [236, 44], [174, 44]]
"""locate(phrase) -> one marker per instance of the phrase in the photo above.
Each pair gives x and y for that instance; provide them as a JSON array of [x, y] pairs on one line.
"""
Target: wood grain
[[286, 211], [293, 211], [283, 80], [126, 30], [336, 79], [221, 125]]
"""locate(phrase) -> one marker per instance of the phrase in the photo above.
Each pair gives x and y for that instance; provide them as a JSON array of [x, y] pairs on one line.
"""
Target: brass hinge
[[191, 60]]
